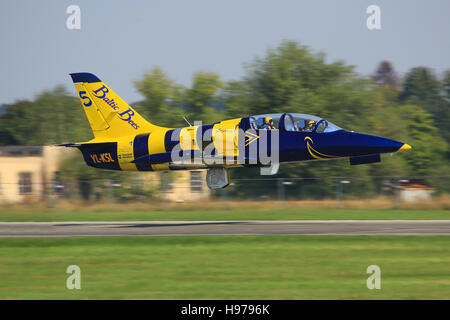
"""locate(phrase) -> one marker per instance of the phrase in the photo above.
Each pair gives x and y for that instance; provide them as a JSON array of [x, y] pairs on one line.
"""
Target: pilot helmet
[[268, 120], [311, 123]]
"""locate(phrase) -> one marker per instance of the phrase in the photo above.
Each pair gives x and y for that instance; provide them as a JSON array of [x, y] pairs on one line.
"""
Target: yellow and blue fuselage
[[123, 140]]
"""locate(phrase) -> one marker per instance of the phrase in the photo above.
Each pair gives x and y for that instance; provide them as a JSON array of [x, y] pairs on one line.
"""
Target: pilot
[[310, 126], [268, 123]]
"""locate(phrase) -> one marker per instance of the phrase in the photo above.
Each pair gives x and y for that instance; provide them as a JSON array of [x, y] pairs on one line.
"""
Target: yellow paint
[[188, 138], [316, 154], [156, 145], [104, 157], [404, 147], [108, 115], [251, 137], [156, 141], [125, 153], [113, 120], [98, 123], [225, 137]]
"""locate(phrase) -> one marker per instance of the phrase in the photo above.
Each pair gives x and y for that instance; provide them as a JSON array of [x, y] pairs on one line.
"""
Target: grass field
[[220, 215], [226, 267]]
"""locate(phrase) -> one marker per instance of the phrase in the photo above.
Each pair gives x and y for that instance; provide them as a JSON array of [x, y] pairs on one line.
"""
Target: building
[[27, 174], [24, 171], [415, 192], [184, 186]]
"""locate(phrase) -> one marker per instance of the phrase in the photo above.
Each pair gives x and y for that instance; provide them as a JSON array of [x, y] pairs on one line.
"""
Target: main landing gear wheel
[[217, 178]]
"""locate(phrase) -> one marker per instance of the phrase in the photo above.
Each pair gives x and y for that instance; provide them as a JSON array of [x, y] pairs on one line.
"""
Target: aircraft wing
[[166, 157]]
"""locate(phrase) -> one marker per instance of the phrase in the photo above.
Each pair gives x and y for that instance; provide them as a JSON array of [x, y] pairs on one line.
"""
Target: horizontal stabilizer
[[69, 145]]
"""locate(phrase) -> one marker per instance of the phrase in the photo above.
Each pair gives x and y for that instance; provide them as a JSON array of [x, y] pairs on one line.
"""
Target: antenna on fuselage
[[190, 125]]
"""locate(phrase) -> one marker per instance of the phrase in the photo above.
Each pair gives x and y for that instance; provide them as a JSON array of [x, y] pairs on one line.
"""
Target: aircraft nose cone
[[361, 144], [404, 147], [384, 145]]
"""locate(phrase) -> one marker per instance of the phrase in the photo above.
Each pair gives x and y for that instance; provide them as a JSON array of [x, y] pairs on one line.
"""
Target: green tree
[[163, 99], [292, 79], [429, 147], [237, 99], [53, 117], [421, 87], [445, 112], [290, 70], [201, 97]]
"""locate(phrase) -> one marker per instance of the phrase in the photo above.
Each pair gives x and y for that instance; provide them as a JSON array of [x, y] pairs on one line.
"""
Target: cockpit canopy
[[292, 122]]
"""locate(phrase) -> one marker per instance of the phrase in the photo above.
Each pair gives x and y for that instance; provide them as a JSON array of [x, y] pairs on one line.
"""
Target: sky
[[120, 40]]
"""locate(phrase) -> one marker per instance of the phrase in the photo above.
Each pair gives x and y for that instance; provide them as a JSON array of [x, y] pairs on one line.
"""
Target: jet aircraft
[[123, 140]]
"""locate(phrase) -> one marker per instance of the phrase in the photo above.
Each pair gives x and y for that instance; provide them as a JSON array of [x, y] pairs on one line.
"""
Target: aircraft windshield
[[293, 122]]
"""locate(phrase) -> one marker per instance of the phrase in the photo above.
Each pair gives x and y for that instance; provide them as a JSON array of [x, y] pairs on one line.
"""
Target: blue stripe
[[171, 139], [140, 148], [206, 132], [84, 77]]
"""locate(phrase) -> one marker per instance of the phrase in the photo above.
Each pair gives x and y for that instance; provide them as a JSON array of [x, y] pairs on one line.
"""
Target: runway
[[168, 228]]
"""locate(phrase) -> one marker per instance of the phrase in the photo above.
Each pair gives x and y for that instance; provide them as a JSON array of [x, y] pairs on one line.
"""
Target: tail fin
[[108, 115]]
